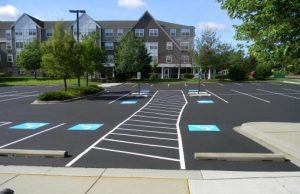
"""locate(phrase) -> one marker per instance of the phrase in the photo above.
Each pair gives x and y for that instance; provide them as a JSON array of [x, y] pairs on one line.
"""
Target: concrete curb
[[289, 82], [33, 153]]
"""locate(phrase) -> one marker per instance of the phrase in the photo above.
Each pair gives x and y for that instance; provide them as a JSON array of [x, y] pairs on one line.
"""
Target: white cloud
[[132, 4], [9, 12], [212, 26]]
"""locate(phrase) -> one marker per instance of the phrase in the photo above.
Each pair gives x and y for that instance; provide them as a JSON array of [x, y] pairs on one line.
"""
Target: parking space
[[161, 131]]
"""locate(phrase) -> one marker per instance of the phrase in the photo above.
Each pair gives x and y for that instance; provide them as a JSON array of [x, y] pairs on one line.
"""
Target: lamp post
[[77, 24]]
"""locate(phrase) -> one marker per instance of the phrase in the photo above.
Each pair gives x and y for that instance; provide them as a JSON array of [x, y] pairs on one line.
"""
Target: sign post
[[199, 77], [138, 76]]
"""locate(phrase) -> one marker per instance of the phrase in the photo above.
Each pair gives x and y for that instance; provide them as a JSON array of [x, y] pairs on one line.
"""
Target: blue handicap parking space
[[129, 102], [85, 127], [203, 128], [205, 101], [29, 126]]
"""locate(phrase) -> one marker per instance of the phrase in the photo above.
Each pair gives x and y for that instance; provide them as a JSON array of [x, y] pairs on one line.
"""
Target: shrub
[[237, 72], [262, 71], [80, 91], [54, 95], [187, 76], [153, 76]]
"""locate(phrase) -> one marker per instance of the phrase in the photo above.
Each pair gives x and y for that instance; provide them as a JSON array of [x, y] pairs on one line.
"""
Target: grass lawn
[[27, 81]]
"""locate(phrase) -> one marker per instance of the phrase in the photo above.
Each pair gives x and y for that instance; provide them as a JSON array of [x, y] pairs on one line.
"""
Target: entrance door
[[166, 73]]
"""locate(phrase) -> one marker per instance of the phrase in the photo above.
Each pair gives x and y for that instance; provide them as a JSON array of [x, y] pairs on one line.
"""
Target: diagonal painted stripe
[[147, 131], [149, 126], [155, 117], [158, 113], [251, 96], [279, 94], [144, 144], [143, 136], [145, 121]]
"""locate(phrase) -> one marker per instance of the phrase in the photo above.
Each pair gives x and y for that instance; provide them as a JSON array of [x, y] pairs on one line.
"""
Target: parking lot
[[162, 131]]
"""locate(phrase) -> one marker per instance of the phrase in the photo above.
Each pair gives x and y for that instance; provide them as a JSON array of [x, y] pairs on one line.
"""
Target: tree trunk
[[87, 78], [65, 83], [78, 80], [34, 72]]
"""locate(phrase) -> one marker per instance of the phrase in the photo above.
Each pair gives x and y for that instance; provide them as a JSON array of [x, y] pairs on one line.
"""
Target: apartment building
[[169, 44]]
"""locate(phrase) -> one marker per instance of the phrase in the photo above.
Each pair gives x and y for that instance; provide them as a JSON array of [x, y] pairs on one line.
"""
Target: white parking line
[[4, 123], [159, 113], [119, 98], [166, 105], [276, 84], [257, 84], [155, 117], [168, 85], [167, 111], [169, 101], [103, 137], [18, 98], [203, 85], [143, 121], [238, 84], [138, 154], [8, 92], [291, 90], [217, 96], [220, 84], [134, 85], [147, 131], [143, 136], [143, 144], [30, 136], [150, 126], [279, 94], [181, 152], [164, 108], [251, 96]]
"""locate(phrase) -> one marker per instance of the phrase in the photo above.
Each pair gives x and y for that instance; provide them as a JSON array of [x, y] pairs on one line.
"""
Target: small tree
[[30, 57], [143, 60], [58, 54], [263, 71]]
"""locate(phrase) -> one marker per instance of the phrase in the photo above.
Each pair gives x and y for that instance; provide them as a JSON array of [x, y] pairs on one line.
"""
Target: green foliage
[[272, 26], [132, 56], [153, 76], [54, 95], [237, 72], [30, 57], [263, 71], [187, 76], [81, 91]]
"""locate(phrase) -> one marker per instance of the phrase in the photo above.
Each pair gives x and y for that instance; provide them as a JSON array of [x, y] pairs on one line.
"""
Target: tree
[[58, 54], [132, 56], [92, 56], [272, 26], [30, 57]]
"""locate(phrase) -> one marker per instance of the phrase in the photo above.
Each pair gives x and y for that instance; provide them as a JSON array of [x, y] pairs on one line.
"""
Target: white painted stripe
[[238, 84], [138, 154], [203, 85], [8, 92], [143, 144], [151, 85], [279, 94], [167, 111], [220, 84], [4, 123], [103, 137], [119, 98], [22, 93], [181, 152], [134, 85], [163, 108], [166, 105], [30, 136], [143, 136], [149, 126], [51, 86], [168, 85], [291, 90], [276, 84], [155, 117], [185, 84], [251, 96], [256, 84], [169, 102], [18, 98], [158, 113], [143, 121], [217, 96], [147, 131]]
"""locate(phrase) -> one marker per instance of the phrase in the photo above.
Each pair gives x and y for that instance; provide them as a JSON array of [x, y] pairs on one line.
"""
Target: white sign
[[138, 75]]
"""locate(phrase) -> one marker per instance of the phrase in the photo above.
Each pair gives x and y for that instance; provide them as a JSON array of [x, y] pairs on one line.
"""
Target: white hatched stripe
[[144, 144], [155, 117], [143, 121], [159, 113], [167, 111], [149, 126], [147, 131], [142, 136]]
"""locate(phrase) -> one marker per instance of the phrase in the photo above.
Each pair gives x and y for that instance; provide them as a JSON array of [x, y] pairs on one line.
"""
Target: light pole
[[77, 24]]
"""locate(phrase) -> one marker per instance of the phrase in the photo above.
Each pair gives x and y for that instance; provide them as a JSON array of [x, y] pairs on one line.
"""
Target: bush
[[80, 91], [237, 72], [187, 76], [262, 71], [153, 76], [54, 95]]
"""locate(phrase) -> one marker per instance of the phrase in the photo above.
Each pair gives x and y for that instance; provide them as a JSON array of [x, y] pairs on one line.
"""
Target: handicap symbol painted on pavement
[[205, 101], [129, 102], [203, 128], [29, 126], [85, 127]]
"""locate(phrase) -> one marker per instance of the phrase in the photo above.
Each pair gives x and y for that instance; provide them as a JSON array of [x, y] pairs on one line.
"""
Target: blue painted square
[[129, 102], [203, 128], [85, 127], [29, 126], [205, 101]]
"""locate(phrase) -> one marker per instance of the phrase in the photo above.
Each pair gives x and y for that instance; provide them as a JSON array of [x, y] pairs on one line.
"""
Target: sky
[[199, 13]]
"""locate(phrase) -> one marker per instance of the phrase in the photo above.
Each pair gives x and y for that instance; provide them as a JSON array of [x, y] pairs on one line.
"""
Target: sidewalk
[[285, 136]]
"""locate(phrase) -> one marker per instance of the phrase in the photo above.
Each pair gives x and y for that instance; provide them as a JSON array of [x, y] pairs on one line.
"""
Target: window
[[139, 32], [9, 58], [120, 32], [185, 45], [19, 45], [49, 34], [109, 46], [185, 59], [173, 32], [154, 59], [153, 32], [18, 33], [185, 32], [109, 32], [32, 32], [169, 46], [110, 59], [7, 33], [169, 59], [8, 46]]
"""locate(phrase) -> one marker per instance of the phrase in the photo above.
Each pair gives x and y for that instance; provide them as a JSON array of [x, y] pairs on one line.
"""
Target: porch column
[[162, 73], [178, 76], [113, 72], [209, 73]]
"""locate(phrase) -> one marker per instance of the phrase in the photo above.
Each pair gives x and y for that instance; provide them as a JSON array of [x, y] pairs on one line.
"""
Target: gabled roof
[[86, 15], [6, 25], [38, 22], [50, 24]]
